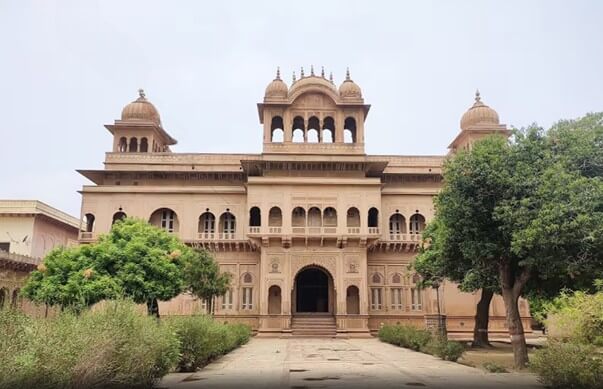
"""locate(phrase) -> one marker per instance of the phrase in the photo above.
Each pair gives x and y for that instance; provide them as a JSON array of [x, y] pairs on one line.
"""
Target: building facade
[[312, 227], [29, 229]]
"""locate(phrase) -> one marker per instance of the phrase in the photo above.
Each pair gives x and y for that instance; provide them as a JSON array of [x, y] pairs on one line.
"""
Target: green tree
[[67, 279], [526, 210], [134, 260], [203, 279]]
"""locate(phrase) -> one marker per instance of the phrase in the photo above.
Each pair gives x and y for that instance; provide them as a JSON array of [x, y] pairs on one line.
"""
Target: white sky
[[68, 67]]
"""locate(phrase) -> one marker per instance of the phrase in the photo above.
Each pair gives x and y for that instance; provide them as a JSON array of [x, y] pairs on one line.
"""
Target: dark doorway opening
[[312, 287]]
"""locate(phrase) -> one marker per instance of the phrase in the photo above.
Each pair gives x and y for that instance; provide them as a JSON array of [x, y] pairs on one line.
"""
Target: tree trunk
[[153, 308], [482, 318], [511, 290]]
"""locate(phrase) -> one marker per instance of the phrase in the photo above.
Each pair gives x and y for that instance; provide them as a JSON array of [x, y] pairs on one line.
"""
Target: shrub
[[405, 336], [203, 339], [577, 317], [494, 367], [568, 365], [445, 349], [116, 347]]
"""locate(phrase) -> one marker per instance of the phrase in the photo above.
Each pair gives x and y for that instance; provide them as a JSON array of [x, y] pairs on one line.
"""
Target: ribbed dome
[[141, 109], [479, 113], [349, 89], [277, 88], [311, 81]]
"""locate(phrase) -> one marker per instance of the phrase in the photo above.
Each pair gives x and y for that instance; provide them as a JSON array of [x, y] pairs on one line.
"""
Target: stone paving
[[338, 363]]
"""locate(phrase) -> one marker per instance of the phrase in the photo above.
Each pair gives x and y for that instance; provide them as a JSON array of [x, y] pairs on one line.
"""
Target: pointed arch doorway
[[313, 292]]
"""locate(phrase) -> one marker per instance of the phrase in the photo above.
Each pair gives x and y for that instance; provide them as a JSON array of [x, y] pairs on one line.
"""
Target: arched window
[[313, 128], [133, 145], [298, 217], [373, 217], [117, 216], [275, 217], [276, 129], [89, 222], [352, 300], [314, 217], [123, 145], [376, 278], [247, 291], [298, 129], [255, 217], [349, 130], [207, 223], [353, 217], [330, 217], [397, 224], [328, 129], [228, 223], [3, 296], [16, 299], [274, 300], [247, 278], [144, 145], [417, 223], [165, 218]]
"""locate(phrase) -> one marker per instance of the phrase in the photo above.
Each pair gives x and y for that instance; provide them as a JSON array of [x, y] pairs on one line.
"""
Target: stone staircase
[[313, 326]]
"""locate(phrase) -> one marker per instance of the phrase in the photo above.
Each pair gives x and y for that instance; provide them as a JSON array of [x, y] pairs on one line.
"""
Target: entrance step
[[313, 326]]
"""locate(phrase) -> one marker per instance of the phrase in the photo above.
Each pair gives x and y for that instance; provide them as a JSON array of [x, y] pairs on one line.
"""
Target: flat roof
[[36, 207]]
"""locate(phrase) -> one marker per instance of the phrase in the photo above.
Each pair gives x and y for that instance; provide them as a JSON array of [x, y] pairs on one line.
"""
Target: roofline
[[36, 207]]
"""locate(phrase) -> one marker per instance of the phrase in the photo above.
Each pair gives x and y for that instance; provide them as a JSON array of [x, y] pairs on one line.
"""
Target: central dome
[[141, 109]]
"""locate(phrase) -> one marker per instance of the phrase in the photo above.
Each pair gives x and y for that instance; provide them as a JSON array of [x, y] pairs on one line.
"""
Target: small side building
[[29, 229]]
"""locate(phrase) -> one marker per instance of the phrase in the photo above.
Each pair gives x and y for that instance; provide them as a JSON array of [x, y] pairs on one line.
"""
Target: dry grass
[[500, 354]]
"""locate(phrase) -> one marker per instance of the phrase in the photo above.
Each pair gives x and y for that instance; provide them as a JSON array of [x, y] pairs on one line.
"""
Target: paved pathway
[[338, 363]]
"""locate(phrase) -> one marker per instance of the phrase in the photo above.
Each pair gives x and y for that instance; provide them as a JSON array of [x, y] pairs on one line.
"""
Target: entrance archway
[[313, 292]]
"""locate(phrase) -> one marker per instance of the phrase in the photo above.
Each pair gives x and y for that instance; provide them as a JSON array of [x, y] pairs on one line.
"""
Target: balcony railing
[[217, 236], [400, 237], [353, 230], [373, 230], [255, 230]]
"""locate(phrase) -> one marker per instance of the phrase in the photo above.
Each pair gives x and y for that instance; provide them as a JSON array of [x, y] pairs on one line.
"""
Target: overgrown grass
[[421, 340], [203, 339], [115, 347]]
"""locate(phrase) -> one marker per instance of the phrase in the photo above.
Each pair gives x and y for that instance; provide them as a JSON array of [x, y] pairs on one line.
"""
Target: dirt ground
[[500, 353]]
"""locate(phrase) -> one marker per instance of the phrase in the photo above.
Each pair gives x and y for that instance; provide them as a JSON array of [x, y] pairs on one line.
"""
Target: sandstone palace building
[[316, 234]]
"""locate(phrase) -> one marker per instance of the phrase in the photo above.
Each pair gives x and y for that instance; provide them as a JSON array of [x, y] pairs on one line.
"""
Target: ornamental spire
[[322, 71], [278, 73], [331, 77], [302, 72], [312, 70], [478, 98], [294, 76], [347, 74], [141, 93]]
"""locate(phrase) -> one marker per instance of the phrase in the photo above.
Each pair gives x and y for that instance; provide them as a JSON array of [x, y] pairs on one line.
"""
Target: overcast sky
[[68, 67]]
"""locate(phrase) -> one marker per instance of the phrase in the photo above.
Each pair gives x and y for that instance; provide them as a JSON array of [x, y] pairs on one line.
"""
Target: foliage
[[135, 260], [65, 280], [494, 367], [202, 277], [203, 339], [115, 347], [445, 349], [526, 214], [568, 365], [405, 336], [577, 317]]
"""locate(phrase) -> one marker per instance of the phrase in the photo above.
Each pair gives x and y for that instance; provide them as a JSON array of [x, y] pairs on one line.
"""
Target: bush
[[115, 347], [405, 336], [202, 339], [577, 317], [494, 367], [568, 365], [445, 349]]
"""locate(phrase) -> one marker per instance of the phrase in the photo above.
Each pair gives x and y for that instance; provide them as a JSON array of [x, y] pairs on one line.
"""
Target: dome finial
[[311, 70], [322, 71], [302, 72], [331, 78], [347, 74], [294, 79], [477, 96], [278, 73], [141, 93]]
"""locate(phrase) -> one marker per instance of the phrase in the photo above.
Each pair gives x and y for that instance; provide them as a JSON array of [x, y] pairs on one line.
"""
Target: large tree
[[134, 260], [530, 211]]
